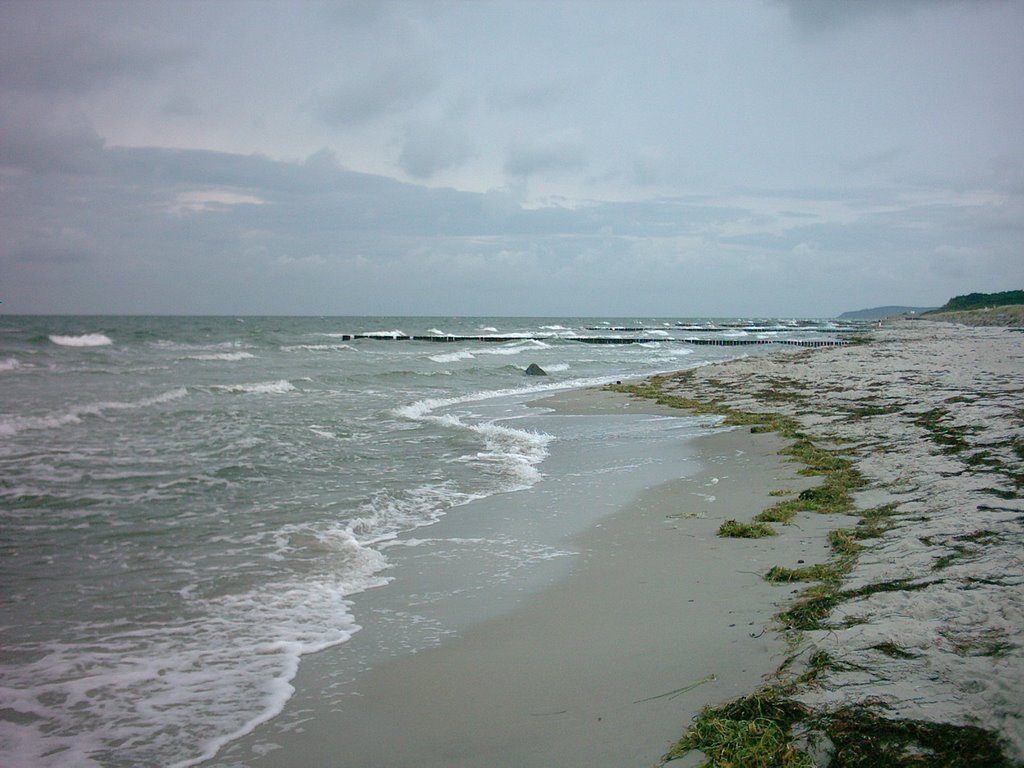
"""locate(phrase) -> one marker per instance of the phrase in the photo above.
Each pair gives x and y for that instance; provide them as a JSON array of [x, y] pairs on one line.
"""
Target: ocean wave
[[388, 513], [13, 425], [452, 357], [515, 452], [85, 340], [10, 364], [317, 347], [514, 348], [229, 357], [259, 388], [179, 683]]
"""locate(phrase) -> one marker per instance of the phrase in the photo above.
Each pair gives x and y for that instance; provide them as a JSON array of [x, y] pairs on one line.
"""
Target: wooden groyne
[[697, 341]]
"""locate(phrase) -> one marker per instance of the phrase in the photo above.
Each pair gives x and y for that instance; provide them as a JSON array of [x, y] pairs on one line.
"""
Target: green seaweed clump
[[736, 530], [818, 572], [754, 731], [862, 738], [809, 613]]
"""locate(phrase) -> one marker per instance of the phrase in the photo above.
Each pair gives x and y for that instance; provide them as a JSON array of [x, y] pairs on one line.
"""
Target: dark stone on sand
[[535, 370]]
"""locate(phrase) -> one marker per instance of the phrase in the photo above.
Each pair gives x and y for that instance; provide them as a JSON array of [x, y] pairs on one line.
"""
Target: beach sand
[[928, 624], [659, 616], [589, 672]]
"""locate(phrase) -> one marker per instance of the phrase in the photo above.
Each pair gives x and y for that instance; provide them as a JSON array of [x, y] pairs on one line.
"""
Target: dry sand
[[933, 416]]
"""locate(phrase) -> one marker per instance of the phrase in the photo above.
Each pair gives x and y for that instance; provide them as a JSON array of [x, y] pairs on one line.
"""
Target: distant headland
[[1003, 308]]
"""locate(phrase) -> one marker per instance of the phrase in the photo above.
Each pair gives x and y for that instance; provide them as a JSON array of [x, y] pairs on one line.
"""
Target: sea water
[[189, 506]]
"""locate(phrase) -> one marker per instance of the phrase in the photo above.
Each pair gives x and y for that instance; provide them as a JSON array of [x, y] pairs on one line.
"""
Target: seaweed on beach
[[863, 738], [950, 437], [753, 731], [759, 730], [811, 609], [737, 530], [654, 389], [827, 572]]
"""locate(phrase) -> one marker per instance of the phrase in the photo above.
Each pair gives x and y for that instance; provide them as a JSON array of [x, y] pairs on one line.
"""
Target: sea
[[193, 507]]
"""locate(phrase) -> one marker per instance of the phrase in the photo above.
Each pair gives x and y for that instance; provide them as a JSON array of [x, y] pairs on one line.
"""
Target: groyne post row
[[596, 340]]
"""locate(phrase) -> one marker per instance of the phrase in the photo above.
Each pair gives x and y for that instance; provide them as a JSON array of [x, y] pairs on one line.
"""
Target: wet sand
[[658, 616], [589, 672]]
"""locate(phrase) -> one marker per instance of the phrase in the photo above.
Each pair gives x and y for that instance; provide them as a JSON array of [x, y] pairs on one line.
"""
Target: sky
[[621, 158]]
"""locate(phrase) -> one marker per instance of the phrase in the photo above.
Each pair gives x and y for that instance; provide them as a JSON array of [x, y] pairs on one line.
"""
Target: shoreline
[[916, 653], [906, 649], [592, 668]]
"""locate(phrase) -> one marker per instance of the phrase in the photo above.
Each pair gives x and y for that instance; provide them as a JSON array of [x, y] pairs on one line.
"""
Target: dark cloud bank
[[90, 228]]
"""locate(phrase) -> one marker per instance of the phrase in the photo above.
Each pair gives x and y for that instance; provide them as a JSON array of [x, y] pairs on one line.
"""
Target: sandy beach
[[918, 644], [912, 648], [657, 617], [584, 673]]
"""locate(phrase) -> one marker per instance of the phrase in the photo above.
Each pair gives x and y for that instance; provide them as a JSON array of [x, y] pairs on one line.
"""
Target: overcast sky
[[491, 157]]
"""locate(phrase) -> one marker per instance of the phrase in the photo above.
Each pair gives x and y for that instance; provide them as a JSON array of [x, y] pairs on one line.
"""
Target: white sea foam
[[12, 425], [452, 357], [141, 688], [10, 364], [316, 347], [260, 388], [85, 340], [516, 348], [516, 452], [228, 357]]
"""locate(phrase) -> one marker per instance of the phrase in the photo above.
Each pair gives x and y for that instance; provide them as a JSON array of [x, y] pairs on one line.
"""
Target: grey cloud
[[529, 96], [46, 140], [76, 61], [430, 149], [883, 158], [356, 12], [181, 106], [382, 89], [816, 16], [544, 157], [327, 239]]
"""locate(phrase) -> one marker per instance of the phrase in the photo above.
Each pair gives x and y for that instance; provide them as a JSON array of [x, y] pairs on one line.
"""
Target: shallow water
[[189, 505]]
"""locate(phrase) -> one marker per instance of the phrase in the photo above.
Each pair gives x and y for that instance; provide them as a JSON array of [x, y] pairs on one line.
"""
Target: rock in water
[[535, 370]]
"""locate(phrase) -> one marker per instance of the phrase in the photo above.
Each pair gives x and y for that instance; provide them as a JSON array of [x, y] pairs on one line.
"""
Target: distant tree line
[[981, 300]]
